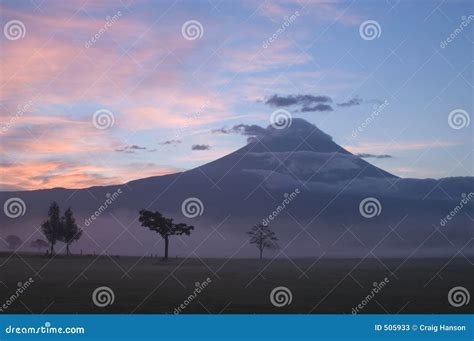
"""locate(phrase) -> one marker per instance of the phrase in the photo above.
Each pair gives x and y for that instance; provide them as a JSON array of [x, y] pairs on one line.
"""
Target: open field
[[148, 285]]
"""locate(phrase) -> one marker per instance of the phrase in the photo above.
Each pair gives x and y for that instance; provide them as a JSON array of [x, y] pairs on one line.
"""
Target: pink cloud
[[49, 174], [143, 73], [323, 10]]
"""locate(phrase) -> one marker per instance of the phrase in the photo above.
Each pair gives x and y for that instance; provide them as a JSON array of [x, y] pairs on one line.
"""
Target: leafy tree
[[14, 242], [155, 221], [263, 238], [39, 244], [70, 232], [52, 228]]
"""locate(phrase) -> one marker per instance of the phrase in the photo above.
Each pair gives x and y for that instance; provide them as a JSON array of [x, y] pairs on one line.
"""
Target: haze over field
[[308, 112], [318, 185]]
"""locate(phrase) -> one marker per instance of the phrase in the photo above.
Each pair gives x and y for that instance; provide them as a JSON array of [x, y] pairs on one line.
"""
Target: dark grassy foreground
[[148, 285]]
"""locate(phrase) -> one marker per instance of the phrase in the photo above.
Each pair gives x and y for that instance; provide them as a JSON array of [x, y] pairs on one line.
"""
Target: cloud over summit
[[306, 102], [298, 127]]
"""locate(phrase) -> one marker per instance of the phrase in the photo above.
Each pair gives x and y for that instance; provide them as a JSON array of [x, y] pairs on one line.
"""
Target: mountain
[[301, 151], [323, 201]]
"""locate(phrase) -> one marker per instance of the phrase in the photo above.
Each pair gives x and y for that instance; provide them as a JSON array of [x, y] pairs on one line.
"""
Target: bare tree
[[263, 237]]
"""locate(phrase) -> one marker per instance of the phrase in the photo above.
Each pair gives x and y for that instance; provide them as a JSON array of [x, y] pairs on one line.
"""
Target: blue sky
[[156, 84]]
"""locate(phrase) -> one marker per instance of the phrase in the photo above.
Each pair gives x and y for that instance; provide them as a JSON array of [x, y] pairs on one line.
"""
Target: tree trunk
[[261, 253], [166, 247], [67, 249], [52, 249]]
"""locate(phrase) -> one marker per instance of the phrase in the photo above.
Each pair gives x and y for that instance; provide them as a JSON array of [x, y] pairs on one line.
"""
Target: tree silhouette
[[52, 228], [155, 221], [263, 238], [70, 232], [39, 244], [14, 242]]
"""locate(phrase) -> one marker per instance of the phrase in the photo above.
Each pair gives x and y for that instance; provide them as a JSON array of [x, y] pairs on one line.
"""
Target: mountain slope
[[302, 150]]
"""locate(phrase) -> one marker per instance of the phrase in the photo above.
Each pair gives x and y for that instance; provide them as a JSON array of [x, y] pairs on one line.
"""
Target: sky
[[98, 93]]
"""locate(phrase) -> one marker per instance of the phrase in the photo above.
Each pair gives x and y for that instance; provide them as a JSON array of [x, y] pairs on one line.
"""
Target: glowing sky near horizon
[[162, 87]]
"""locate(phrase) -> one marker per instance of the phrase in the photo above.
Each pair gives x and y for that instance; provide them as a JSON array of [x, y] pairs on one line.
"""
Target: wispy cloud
[[384, 147], [374, 156], [351, 102], [130, 149], [179, 89], [317, 107], [37, 174], [200, 147], [170, 142], [242, 129], [305, 100], [315, 10], [307, 103]]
